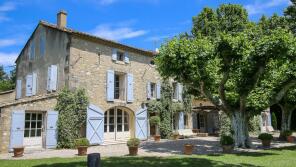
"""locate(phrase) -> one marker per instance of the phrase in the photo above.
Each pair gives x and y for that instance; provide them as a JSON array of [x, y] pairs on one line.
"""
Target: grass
[[284, 157]]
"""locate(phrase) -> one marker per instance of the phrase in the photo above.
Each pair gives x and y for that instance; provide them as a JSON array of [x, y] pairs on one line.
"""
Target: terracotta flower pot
[[290, 139], [227, 148], [266, 143], [82, 150], [133, 151], [175, 136], [188, 149], [18, 151], [157, 138]]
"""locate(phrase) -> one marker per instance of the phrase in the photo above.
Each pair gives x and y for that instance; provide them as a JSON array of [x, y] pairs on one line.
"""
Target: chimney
[[62, 19]]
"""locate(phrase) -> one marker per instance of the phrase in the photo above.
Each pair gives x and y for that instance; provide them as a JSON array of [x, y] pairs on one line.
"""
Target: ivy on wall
[[72, 107]]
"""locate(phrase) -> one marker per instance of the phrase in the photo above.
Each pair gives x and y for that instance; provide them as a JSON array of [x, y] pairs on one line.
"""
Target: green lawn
[[285, 157]]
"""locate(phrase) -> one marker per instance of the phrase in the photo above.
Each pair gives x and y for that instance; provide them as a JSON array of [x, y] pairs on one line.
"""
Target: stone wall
[[89, 62], [33, 104], [7, 96]]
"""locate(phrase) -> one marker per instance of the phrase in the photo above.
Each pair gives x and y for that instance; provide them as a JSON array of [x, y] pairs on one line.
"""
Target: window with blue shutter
[[48, 78], [130, 91], [126, 57], [52, 78], [17, 129], [148, 90], [114, 54], [110, 85], [34, 83], [180, 92], [158, 90]]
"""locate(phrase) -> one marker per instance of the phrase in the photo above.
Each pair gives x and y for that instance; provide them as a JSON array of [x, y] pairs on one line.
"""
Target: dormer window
[[120, 56]]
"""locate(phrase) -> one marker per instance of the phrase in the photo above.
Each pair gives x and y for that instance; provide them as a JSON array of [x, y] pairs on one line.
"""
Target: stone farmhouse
[[118, 80]]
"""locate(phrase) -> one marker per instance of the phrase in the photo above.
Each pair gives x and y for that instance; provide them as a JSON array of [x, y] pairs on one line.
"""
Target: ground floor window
[[33, 124]]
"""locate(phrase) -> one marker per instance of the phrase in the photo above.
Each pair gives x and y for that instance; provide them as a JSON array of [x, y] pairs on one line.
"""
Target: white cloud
[[7, 59], [261, 6], [7, 42], [157, 38], [8, 6], [117, 33]]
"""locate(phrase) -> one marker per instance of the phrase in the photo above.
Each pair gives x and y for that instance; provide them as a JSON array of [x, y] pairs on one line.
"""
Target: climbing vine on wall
[[72, 106]]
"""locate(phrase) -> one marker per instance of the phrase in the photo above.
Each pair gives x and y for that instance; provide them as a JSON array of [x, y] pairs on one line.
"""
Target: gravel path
[[203, 145]]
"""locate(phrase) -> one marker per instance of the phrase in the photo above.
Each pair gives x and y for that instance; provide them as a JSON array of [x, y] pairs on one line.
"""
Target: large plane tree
[[228, 61]]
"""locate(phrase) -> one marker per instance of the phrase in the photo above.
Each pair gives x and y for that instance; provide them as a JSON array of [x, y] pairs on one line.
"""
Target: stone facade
[[7, 96]]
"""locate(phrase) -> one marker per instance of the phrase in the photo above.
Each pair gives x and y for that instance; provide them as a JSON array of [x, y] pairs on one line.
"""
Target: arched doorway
[[118, 123]]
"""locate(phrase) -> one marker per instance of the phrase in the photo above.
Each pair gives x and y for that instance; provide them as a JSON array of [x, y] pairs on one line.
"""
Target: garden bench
[[186, 133]]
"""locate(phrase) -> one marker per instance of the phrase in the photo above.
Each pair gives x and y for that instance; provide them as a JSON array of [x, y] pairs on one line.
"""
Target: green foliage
[[133, 142], [224, 125], [265, 136], [290, 14], [72, 106], [226, 140], [254, 124], [166, 110], [7, 82], [154, 106], [286, 133], [154, 120], [274, 121], [81, 142]]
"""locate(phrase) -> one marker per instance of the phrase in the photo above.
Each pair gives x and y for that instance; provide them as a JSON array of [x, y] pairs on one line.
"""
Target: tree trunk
[[240, 129], [286, 121]]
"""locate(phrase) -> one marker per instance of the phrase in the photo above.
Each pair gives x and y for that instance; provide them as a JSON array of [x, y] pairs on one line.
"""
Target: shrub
[[226, 140], [154, 120], [81, 142], [254, 124], [133, 142], [224, 125], [265, 136], [287, 133]]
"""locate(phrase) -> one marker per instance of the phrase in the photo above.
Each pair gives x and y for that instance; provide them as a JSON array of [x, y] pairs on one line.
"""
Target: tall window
[[116, 87], [153, 90], [119, 86], [33, 124], [120, 56], [175, 91]]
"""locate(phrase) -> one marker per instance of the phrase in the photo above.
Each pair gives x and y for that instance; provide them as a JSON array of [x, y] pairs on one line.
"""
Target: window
[[119, 86], [175, 91], [120, 56], [33, 124], [153, 90]]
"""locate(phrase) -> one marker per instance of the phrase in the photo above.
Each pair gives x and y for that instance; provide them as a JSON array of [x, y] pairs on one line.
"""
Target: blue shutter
[[141, 124], [48, 78], [95, 125], [148, 90], [18, 89], [29, 85], [51, 129], [110, 85], [34, 83], [126, 57], [17, 129], [130, 88], [180, 92], [158, 90], [114, 54], [181, 120], [53, 78]]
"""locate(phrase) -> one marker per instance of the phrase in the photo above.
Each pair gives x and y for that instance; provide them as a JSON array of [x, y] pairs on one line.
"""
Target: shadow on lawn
[[152, 162]]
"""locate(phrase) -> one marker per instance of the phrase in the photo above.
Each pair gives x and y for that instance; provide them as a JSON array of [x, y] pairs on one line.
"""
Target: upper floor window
[[153, 90], [175, 90], [120, 56], [119, 86], [32, 51]]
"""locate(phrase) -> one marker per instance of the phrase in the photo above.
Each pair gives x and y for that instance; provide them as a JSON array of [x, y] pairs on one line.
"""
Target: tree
[[7, 82], [227, 69], [290, 14]]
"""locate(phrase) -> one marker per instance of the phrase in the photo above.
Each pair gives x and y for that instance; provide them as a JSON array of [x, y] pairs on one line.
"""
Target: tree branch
[[278, 97], [221, 89]]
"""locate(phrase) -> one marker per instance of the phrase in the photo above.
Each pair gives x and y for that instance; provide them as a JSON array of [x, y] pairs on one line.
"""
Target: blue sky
[[141, 23]]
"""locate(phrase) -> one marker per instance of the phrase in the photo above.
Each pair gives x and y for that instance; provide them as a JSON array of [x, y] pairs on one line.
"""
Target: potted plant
[[175, 135], [155, 121], [188, 148], [18, 151], [133, 145], [265, 139], [288, 135], [82, 144], [227, 144]]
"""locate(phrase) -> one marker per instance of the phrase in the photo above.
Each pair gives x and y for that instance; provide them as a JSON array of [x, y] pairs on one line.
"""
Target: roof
[[90, 37]]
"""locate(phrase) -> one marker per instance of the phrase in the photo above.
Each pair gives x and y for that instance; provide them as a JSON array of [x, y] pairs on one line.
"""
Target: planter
[[157, 138], [18, 151], [266, 143], [82, 150], [290, 139], [227, 148], [188, 149], [175, 136], [133, 151]]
